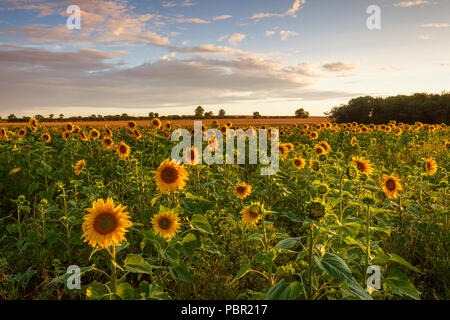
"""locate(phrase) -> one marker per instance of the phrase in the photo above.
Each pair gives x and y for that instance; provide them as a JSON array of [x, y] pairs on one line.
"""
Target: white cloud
[[338, 66], [435, 25], [292, 12], [222, 17], [285, 34], [234, 39], [192, 20], [406, 4], [270, 33], [424, 37]]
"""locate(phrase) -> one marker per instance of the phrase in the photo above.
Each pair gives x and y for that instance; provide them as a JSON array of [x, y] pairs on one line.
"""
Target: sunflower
[[123, 150], [326, 147], [107, 132], [242, 190], [46, 137], [156, 123], [313, 135], [362, 165], [391, 186], [69, 127], [318, 150], [299, 163], [94, 134], [166, 224], [213, 144], [314, 165], [22, 132], [283, 150], [251, 214], [82, 136], [79, 166], [108, 143], [430, 166], [170, 176], [191, 156], [33, 122], [131, 124], [106, 224], [137, 134], [66, 135], [353, 141]]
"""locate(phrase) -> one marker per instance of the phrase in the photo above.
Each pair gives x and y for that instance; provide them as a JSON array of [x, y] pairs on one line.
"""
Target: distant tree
[[156, 115], [12, 117], [61, 116], [51, 116], [124, 116], [221, 113], [256, 115], [199, 111], [301, 113], [151, 115], [209, 114], [39, 117]]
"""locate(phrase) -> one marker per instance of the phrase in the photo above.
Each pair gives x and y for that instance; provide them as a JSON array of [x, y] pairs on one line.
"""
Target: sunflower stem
[[113, 269], [310, 254]]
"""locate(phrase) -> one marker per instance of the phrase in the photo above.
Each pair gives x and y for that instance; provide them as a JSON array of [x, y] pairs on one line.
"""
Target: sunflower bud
[[316, 210], [322, 189], [352, 173], [339, 155], [122, 163]]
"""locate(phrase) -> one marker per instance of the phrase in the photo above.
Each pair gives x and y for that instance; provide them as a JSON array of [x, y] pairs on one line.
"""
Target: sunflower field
[[349, 202]]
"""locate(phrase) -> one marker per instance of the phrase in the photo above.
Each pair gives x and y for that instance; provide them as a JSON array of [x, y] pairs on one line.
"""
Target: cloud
[[192, 20], [406, 4], [445, 64], [424, 37], [222, 17], [292, 12], [435, 25], [338, 66], [171, 4], [285, 34], [208, 49], [235, 38], [102, 21], [269, 33]]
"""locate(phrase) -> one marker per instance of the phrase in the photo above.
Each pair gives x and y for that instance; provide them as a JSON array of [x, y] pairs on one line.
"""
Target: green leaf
[[403, 262], [399, 284], [283, 290], [188, 245], [125, 291], [96, 291], [335, 266], [356, 289], [266, 260], [287, 243], [137, 264], [242, 272], [181, 272], [152, 292], [200, 223]]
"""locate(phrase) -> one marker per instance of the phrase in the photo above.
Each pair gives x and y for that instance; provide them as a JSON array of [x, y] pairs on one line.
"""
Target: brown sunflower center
[[297, 162], [105, 223], [169, 175], [390, 184], [360, 166], [123, 149], [165, 223], [240, 189], [254, 213]]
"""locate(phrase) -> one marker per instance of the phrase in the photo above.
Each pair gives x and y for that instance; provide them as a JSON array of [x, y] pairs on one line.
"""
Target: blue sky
[[169, 56]]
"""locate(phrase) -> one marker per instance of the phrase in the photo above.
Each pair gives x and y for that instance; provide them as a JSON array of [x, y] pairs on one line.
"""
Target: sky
[[270, 56]]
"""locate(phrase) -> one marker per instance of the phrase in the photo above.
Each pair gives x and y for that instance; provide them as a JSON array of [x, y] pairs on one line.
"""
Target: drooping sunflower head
[[79, 166], [107, 132], [94, 134], [363, 165], [314, 165], [46, 137], [430, 166], [33, 122], [106, 224], [166, 224], [326, 147], [66, 135], [353, 141], [123, 150], [316, 210], [299, 163], [107, 142], [242, 190], [391, 186], [252, 214], [170, 177], [283, 150], [191, 156]]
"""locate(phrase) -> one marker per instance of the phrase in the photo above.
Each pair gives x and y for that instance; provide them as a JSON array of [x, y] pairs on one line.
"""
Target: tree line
[[423, 107]]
